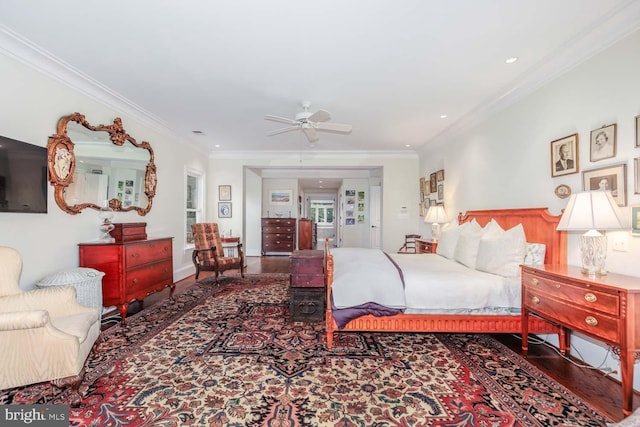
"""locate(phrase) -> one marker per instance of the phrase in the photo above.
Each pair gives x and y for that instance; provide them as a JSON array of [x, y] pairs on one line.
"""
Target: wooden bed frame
[[539, 226]]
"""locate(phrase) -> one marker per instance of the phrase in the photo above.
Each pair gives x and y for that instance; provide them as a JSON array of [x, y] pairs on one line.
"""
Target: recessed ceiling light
[[320, 181], [511, 60], [407, 145], [443, 116], [217, 145]]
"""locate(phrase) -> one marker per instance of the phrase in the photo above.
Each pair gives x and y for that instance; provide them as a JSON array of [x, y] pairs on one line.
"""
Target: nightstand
[[426, 246], [606, 308], [308, 294]]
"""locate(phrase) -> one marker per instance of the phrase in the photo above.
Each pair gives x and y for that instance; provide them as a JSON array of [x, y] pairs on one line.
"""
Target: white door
[[375, 213]]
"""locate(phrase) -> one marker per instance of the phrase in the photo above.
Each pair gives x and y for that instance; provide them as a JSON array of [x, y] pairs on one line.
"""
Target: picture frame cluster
[[431, 191], [603, 145]]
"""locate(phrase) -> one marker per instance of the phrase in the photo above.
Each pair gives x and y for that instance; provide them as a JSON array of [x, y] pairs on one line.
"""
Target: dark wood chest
[[308, 294]]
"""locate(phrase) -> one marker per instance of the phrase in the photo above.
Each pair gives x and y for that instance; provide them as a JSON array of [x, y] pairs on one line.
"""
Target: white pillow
[[466, 250], [449, 237], [502, 253], [534, 254]]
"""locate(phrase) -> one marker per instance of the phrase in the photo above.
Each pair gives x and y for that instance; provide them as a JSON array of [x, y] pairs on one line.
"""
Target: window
[[322, 212], [194, 203]]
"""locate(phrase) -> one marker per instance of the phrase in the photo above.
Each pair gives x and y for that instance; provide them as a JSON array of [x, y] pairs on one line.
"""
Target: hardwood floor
[[595, 388]]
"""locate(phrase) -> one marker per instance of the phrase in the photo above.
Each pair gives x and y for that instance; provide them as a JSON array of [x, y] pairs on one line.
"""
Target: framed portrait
[[433, 183], [280, 197], [224, 209], [603, 143], [440, 191], [423, 185], [440, 175], [637, 131], [636, 189], [564, 155], [635, 220], [224, 193], [612, 178]]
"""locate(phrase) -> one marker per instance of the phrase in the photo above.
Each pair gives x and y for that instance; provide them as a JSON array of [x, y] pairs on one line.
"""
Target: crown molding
[[297, 156]]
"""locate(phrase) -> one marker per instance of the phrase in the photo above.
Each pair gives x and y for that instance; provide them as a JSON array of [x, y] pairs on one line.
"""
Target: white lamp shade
[[435, 215], [592, 210]]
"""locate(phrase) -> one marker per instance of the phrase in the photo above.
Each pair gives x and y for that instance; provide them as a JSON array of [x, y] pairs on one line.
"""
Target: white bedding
[[435, 284], [432, 284]]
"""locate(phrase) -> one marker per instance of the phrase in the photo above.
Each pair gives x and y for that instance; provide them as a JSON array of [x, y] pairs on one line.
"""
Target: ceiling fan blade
[[281, 119], [334, 127], [283, 130], [319, 116], [310, 133]]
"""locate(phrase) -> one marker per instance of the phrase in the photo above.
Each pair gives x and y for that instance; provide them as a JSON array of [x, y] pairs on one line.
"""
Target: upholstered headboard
[[539, 227]]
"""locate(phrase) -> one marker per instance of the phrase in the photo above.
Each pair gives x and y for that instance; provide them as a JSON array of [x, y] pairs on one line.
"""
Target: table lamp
[[592, 211], [435, 215]]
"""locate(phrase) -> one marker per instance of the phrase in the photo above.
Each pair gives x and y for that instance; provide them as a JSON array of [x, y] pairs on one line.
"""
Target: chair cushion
[[205, 236], [77, 324]]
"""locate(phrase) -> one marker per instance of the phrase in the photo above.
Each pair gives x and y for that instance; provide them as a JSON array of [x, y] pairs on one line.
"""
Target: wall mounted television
[[23, 177]]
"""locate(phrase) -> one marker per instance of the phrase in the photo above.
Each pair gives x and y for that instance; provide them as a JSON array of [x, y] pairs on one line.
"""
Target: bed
[[539, 227]]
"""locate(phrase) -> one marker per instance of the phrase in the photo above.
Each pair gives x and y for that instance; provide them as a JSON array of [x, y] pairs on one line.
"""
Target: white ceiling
[[389, 68]]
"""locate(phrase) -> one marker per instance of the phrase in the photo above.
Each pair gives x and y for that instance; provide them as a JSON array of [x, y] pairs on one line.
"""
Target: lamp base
[[593, 249], [435, 231]]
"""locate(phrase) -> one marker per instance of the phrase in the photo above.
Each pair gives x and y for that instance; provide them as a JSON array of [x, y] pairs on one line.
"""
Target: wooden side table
[[424, 246], [606, 308], [307, 303]]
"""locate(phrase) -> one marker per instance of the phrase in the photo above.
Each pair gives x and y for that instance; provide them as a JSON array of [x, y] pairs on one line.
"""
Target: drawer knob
[[591, 321], [535, 300], [535, 281], [134, 255], [589, 297], [135, 280]]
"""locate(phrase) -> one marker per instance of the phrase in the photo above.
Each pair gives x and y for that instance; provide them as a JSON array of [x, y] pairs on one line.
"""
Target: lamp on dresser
[[592, 211], [435, 216]]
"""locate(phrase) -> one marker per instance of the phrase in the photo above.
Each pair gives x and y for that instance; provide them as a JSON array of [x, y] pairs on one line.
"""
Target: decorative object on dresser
[[307, 286], [424, 246], [77, 142], [278, 235], [604, 308], [133, 269], [106, 215], [435, 216], [129, 231], [209, 255], [592, 211], [307, 234]]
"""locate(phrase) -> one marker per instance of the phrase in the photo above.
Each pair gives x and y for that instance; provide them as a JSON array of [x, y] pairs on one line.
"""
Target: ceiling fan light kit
[[308, 123]]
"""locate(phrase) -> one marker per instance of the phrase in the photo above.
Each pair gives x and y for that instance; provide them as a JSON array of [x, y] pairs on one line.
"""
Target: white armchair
[[45, 334]]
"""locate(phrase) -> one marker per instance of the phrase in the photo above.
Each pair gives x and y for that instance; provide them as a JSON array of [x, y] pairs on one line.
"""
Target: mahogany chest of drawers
[[307, 234], [606, 308], [132, 270], [307, 303], [278, 235]]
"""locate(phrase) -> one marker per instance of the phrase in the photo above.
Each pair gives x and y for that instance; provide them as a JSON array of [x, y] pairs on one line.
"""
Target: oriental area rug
[[228, 355]]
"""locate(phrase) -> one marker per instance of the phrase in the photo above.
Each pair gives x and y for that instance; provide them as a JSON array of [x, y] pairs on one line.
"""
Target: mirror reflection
[[92, 166]]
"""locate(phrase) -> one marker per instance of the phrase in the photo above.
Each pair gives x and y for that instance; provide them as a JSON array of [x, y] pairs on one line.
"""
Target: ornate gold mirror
[[91, 166]]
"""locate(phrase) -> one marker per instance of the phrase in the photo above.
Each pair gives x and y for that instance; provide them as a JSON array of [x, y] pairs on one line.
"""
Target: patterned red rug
[[227, 355]]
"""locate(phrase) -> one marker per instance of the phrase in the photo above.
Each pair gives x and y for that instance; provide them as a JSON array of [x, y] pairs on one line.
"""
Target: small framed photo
[[423, 187], [224, 193], [224, 209], [433, 183], [636, 189], [564, 155], [440, 191], [603, 143], [612, 178], [440, 175], [281, 197], [635, 220], [637, 131]]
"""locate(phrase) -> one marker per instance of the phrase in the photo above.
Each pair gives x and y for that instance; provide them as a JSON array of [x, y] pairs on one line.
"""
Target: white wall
[[31, 105], [504, 162]]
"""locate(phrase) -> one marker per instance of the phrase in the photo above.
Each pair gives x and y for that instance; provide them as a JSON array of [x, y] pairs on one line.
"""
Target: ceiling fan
[[309, 123]]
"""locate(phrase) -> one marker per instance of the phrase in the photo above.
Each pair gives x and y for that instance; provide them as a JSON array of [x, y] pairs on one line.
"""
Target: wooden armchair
[[409, 246], [209, 254]]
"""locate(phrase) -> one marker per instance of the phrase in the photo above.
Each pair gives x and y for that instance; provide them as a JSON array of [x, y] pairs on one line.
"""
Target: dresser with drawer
[[132, 270], [606, 308], [308, 294], [278, 235]]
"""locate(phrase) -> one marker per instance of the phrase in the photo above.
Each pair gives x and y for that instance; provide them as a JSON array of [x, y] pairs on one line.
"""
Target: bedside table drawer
[[590, 299], [573, 317]]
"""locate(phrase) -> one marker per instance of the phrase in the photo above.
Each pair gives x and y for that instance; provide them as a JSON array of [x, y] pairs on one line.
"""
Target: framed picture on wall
[[280, 197], [603, 143], [637, 131], [440, 175], [612, 178], [224, 193], [564, 155], [440, 191], [636, 164], [433, 183], [224, 209], [635, 220]]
